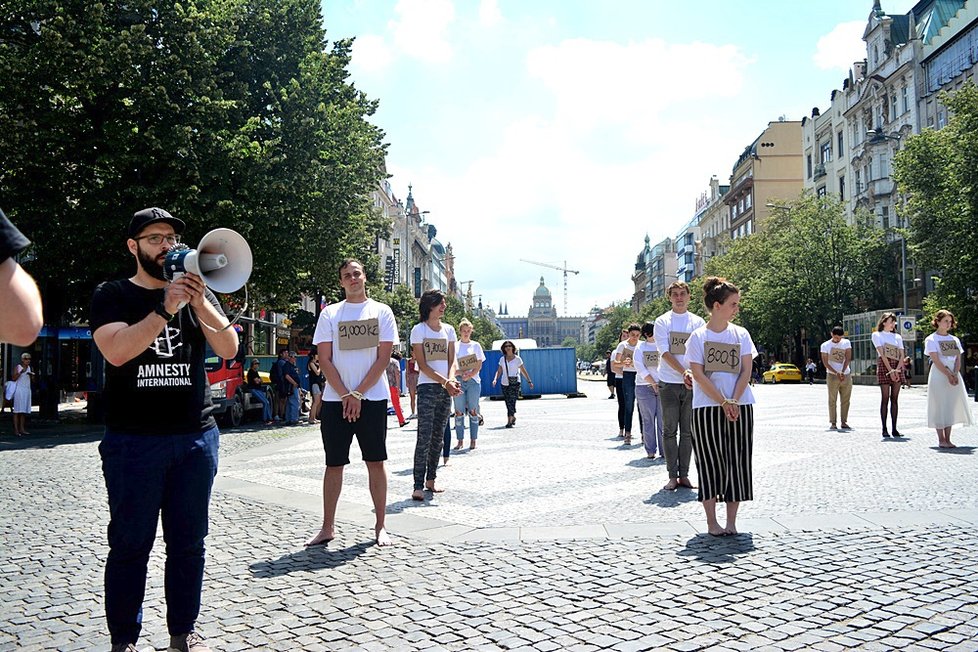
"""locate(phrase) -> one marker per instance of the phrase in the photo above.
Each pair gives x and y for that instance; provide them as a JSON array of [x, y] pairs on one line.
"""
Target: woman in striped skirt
[[720, 355]]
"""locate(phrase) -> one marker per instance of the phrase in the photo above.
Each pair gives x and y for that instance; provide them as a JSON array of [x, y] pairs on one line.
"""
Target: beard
[[149, 264]]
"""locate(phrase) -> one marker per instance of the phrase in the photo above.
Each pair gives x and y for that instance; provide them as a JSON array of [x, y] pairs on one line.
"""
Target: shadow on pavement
[[308, 559], [645, 462], [664, 498], [957, 450], [718, 550]]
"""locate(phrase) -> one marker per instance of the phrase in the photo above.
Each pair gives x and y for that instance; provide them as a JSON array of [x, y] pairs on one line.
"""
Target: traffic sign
[[908, 327]]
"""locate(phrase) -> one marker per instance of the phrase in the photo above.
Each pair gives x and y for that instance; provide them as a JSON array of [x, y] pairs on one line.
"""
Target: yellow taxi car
[[782, 373]]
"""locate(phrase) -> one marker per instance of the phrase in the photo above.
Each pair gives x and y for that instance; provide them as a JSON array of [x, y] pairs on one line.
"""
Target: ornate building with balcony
[[655, 269], [714, 222]]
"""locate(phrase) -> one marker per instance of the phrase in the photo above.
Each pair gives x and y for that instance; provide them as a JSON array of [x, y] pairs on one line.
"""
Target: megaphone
[[222, 260]]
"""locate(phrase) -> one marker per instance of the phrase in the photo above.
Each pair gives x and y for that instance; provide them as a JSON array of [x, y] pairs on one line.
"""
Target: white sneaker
[[412, 416]]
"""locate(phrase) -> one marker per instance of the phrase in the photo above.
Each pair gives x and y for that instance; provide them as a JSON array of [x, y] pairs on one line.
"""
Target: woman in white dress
[[947, 399], [22, 377]]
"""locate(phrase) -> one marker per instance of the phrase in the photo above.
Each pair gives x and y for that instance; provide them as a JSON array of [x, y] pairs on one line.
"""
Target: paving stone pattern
[[908, 585]]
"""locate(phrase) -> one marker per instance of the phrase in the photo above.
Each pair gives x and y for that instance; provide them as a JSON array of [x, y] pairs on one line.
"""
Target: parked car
[[782, 373]]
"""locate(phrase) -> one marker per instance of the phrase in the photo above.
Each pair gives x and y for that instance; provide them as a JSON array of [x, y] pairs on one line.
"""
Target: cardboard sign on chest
[[721, 357], [359, 334], [435, 349]]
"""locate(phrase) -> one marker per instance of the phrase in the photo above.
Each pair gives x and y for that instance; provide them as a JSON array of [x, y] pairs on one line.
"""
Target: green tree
[[938, 171], [606, 339], [804, 270], [403, 305], [228, 113]]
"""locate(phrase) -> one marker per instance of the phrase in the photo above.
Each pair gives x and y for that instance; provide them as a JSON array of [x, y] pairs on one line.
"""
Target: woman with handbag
[[510, 368], [22, 377]]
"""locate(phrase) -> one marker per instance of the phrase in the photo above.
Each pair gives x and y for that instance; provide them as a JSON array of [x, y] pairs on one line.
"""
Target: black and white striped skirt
[[723, 453]]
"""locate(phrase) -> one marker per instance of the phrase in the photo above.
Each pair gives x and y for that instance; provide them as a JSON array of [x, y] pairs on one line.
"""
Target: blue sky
[[556, 130]]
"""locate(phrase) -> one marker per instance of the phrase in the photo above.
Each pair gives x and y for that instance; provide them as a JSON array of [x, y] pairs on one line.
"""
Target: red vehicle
[[229, 391]]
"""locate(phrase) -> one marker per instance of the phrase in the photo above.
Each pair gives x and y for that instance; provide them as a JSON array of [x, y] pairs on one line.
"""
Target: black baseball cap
[[148, 216]]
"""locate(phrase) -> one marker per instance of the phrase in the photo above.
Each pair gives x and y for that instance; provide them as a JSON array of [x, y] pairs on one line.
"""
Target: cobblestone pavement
[[551, 536]]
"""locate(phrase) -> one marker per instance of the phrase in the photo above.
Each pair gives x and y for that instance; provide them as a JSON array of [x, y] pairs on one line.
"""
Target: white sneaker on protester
[[412, 416]]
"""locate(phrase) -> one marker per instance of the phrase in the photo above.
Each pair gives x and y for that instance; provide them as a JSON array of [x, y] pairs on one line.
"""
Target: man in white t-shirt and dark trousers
[[836, 357], [355, 338], [672, 329]]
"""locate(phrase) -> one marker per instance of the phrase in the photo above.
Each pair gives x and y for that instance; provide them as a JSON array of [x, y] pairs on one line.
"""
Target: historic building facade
[[541, 322]]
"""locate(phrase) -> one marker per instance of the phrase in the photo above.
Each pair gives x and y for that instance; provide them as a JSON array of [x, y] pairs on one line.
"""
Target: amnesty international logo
[[165, 345]]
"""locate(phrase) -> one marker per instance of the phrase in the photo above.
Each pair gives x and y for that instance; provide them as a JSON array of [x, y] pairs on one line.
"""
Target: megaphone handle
[[183, 304]]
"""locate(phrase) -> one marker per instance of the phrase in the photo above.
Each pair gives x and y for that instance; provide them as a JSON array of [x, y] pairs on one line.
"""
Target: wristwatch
[[161, 311]]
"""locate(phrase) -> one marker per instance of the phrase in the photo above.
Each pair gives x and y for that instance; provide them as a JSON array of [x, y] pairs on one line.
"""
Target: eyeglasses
[[158, 238]]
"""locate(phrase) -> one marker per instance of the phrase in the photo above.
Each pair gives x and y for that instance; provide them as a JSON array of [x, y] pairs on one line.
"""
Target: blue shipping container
[[554, 371]]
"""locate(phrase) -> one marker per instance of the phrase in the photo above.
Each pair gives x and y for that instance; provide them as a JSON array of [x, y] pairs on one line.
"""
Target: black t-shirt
[[163, 390], [12, 241], [254, 380]]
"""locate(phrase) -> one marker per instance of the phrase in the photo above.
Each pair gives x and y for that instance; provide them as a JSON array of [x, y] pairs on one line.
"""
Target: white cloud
[[489, 13], [841, 47], [420, 29], [371, 54]]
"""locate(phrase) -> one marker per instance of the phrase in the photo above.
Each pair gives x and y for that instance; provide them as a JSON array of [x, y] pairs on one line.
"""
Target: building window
[[886, 217], [820, 192], [842, 187], [893, 106], [941, 122], [826, 154], [808, 164], [859, 185], [747, 199], [884, 166], [839, 148], [906, 99]]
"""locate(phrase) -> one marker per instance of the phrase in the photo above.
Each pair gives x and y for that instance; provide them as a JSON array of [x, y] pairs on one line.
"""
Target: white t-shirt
[[642, 369], [672, 322], [353, 364], [626, 351], [510, 368], [882, 338], [840, 352], [724, 381], [933, 345], [422, 332], [470, 348]]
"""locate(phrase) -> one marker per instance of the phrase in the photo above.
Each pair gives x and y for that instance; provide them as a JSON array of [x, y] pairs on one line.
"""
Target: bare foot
[[417, 495], [671, 485], [684, 482], [382, 538], [322, 537], [717, 531], [430, 486]]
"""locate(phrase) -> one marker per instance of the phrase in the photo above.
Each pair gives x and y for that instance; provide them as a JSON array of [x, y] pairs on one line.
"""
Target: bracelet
[[160, 310], [355, 394], [730, 401]]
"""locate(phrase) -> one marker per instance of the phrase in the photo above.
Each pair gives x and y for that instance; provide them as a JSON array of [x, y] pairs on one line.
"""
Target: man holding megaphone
[[160, 448]]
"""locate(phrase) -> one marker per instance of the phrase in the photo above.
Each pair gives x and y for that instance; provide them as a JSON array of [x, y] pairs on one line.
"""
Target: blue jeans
[[266, 406], [628, 389], [292, 407], [466, 402], [144, 476]]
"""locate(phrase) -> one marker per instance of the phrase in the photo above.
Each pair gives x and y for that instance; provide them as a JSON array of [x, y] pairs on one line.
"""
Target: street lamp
[[878, 136]]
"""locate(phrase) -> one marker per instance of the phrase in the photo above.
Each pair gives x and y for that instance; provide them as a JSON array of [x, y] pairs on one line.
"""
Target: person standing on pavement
[[720, 356], [625, 364], [947, 399], [610, 375], [672, 329], [279, 385], [257, 390], [21, 318], [433, 346], [510, 368], [160, 449], [647, 390], [411, 375], [836, 355], [469, 361], [290, 375], [889, 369], [316, 382], [616, 369], [810, 369], [23, 376], [394, 382], [355, 338]]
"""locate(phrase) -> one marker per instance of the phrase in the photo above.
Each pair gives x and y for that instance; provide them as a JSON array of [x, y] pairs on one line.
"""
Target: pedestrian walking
[[257, 390], [160, 449], [412, 374], [394, 381], [720, 356], [354, 338], [647, 390], [317, 381], [22, 377], [836, 355], [947, 399], [625, 365], [509, 370], [433, 347], [810, 369], [469, 360], [889, 369], [672, 329]]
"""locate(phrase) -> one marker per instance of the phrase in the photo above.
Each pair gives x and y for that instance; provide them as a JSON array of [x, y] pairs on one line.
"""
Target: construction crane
[[559, 269]]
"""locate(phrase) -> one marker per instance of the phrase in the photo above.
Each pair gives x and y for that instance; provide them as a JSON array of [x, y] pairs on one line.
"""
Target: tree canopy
[[232, 113], [938, 172]]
